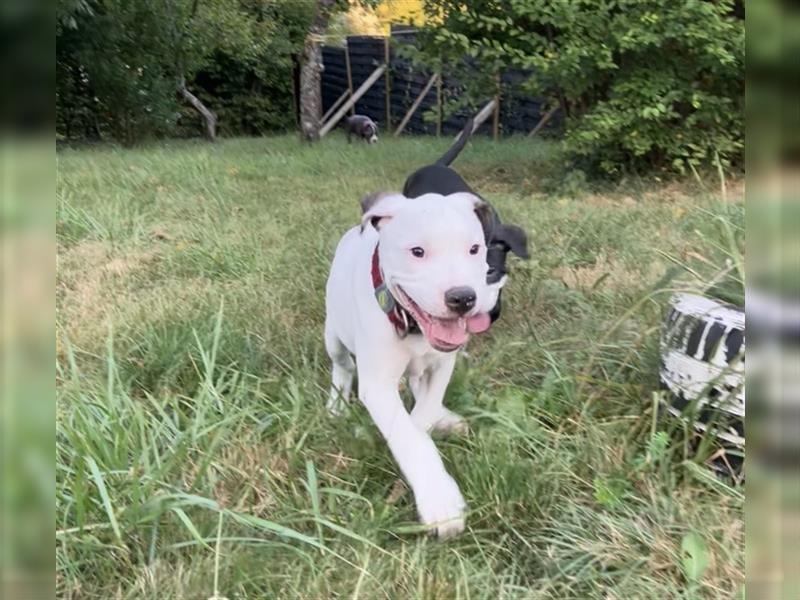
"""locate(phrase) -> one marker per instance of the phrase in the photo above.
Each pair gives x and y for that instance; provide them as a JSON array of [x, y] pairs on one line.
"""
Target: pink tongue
[[449, 332], [479, 323], [455, 332]]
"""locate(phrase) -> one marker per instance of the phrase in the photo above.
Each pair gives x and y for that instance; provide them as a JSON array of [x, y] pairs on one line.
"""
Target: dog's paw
[[441, 507], [451, 423], [444, 421]]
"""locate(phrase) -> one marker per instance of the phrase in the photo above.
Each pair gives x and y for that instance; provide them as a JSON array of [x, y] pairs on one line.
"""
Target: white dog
[[406, 289]]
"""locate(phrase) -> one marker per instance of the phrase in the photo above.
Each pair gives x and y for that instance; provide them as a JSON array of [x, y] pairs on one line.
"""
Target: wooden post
[[326, 127], [388, 87], [335, 105], [496, 119], [439, 105], [349, 72], [543, 121], [416, 104]]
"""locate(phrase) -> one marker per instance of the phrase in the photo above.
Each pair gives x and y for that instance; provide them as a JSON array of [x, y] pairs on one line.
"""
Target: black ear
[[368, 201], [378, 206], [514, 238], [486, 216]]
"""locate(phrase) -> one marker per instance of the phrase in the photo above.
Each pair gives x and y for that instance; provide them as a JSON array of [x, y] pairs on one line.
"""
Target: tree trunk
[[310, 92], [209, 116], [296, 88]]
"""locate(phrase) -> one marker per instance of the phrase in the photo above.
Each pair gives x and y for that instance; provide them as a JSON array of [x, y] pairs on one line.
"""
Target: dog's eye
[[418, 252], [474, 249]]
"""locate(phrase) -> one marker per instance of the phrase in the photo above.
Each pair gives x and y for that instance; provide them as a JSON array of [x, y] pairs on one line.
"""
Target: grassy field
[[195, 457]]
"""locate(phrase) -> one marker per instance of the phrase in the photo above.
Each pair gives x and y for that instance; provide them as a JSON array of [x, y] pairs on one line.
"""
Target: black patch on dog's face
[[494, 314], [486, 216], [369, 129], [504, 239], [368, 201]]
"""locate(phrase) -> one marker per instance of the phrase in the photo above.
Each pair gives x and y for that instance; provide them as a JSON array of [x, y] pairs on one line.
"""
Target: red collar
[[398, 316]]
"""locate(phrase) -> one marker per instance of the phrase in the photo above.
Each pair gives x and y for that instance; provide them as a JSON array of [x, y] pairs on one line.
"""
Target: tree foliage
[[374, 17], [251, 91], [358, 19], [121, 62], [643, 83]]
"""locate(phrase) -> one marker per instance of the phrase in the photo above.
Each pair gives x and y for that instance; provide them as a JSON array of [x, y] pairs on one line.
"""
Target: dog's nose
[[460, 299]]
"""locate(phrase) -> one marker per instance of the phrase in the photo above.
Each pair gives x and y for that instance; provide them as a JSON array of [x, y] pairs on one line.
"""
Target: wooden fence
[[347, 69]]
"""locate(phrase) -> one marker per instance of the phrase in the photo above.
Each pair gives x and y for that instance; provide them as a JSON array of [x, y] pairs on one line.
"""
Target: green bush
[[252, 93], [643, 83], [120, 64], [111, 76], [246, 100]]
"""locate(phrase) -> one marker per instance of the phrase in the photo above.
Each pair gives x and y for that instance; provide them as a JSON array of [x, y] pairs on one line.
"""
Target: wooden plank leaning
[[416, 104], [335, 105], [362, 89], [543, 121]]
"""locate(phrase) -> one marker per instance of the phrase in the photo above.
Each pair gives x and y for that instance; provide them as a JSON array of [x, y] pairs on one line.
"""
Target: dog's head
[[369, 131], [432, 252]]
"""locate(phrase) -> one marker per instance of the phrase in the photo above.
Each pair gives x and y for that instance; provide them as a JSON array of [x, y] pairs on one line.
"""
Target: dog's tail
[[456, 148]]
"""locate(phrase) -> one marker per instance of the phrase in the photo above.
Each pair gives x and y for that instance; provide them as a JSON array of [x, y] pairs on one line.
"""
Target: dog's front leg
[[439, 501], [429, 387]]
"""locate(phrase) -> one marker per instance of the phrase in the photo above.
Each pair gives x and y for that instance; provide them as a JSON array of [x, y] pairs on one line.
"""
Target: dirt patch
[[735, 190], [681, 193], [606, 272], [671, 193], [92, 283], [677, 192], [605, 201], [246, 475]]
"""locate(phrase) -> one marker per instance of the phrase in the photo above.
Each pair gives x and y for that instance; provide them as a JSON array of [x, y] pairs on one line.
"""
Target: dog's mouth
[[445, 335]]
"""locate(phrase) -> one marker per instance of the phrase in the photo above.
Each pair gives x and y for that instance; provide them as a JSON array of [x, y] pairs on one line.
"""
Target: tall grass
[[195, 457]]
